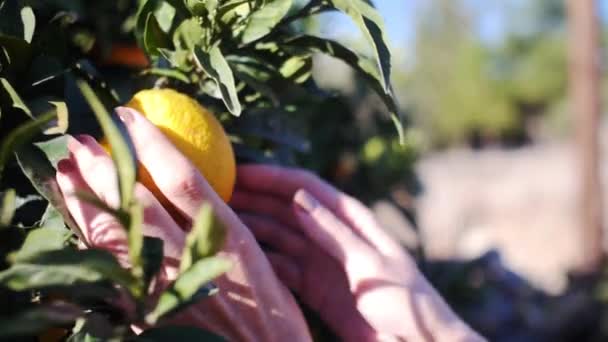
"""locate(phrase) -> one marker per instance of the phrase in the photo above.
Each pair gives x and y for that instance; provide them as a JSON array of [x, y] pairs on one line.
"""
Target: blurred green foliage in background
[[464, 90]]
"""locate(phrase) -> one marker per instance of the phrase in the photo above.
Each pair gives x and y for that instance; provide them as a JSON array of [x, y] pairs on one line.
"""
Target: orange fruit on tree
[[194, 131]]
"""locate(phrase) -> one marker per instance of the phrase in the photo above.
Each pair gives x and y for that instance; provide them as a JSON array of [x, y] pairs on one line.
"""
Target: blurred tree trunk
[[584, 87]]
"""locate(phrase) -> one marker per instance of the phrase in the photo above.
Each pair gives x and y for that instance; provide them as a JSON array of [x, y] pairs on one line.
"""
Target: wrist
[[443, 324], [436, 321]]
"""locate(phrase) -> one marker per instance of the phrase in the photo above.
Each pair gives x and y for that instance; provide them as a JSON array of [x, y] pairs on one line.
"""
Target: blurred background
[[498, 189]]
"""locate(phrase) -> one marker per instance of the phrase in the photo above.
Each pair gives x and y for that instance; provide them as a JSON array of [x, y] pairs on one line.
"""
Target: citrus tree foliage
[[247, 54], [243, 58]]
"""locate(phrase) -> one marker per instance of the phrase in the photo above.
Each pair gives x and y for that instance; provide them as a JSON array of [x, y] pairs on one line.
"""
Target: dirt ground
[[521, 203]]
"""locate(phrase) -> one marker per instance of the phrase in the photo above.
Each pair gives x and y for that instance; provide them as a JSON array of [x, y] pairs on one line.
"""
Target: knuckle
[[104, 222], [106, 230], [186, 186]]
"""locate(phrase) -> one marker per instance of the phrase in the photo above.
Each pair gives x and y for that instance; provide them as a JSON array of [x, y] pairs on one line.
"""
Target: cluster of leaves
[[358, 152], [234, 56], [53, 283], [248, 55]]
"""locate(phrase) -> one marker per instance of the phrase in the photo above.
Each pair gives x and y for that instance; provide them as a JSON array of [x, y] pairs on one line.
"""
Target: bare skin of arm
[[325, 246], [329, 249], [252, 305]]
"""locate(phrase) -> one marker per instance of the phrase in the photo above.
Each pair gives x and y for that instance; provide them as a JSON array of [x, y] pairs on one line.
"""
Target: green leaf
[[334, 49], [170, 73], [98, 292], [255, 67], [9, 15], [67, 267], [258, 85], [39, 319], [8, 207], [39, 170], [92, 199], [96, 327], [255, 125], [20, 136], [178, 333], [141, 19], [29, 23], [179, 59], [231, 10], [15, 53], [16, 100], [54, 149], [372, 26], [15, 19], [154, 37], [52, 219], [262, 21], [166, 14], [40, 240], [188, 35], [205, 239], [363, 66], [202, 7], [398, 123], [297, 68], [122, 154], [83, 336], [136, 238], [215, 65], [183, 291], [61, 123]]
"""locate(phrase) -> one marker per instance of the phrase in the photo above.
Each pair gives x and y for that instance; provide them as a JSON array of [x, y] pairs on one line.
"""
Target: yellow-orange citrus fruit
[[194, 131]]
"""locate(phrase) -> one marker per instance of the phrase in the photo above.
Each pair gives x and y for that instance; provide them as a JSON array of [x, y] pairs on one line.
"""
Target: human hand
[[252, 304], [329, 249]]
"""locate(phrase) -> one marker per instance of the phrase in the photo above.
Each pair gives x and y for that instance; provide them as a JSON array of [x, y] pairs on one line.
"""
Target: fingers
[[278, 237], [94, 170], [286, 269], [99, 228], [363, 221], [159, 224], [173, 173], [263, 205], [335, 238], [284, 182]]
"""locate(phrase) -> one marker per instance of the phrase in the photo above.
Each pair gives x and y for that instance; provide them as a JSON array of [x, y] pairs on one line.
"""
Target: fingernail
[[65, 165], [305, 200], [124, 114]]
